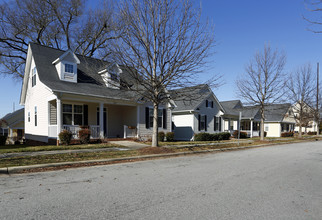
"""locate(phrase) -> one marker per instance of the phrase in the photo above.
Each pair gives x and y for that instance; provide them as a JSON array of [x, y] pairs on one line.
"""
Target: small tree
[[300, 90], [262, 84], [163, 46]]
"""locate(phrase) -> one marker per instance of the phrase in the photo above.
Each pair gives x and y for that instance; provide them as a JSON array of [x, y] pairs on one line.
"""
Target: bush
[[169, 136], [203, 137], [65, 137], [212, 137], [241, 135], [3, 139], [287, 134], [161, 136], [224, 136], [84, 135], [312, 133]]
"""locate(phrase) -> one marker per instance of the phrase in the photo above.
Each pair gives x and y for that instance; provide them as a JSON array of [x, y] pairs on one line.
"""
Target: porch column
[[251, 128], [59, 118], [101, 120], [137, 121]]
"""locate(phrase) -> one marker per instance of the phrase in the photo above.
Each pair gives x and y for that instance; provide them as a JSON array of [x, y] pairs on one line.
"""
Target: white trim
[[59, 59]]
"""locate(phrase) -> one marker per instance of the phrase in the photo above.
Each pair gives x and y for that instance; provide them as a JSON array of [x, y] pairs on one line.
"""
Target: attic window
[[69, 68], [33, 77]]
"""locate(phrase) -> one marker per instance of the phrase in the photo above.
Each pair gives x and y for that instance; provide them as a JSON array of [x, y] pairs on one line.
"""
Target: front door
[[104, 120]]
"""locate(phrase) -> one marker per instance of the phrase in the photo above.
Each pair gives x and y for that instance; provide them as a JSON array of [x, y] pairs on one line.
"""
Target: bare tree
[[314, 7], [300, 88], [164, 46], [262, 84], [60, 24]]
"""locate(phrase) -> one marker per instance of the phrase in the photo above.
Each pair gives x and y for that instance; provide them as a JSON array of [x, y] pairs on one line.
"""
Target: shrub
[[224, 136], [203, 137], [161, 136], [84, 135], [287, 134], [65, 137], [3, 139], [241, 135], [169, 136], [311, 133]]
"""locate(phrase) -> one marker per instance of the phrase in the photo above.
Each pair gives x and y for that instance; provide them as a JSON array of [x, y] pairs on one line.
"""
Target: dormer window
[[69, 68], [111, 76], [66, 66], [33, 77]]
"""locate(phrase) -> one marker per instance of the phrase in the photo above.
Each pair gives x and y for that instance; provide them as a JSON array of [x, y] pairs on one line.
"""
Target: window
[[69, 68], [67, 114], [35, 115], [217, 122], [78, 115], [202, 122], [33, 77], [72, 114], [28, 116], [266, 128], [113, 76], [160, 118]]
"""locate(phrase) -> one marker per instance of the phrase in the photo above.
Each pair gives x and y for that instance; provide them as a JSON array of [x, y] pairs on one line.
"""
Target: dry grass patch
[[155, 150]]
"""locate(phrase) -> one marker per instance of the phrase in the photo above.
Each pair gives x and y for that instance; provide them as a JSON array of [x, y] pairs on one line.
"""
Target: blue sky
[[241, 28]]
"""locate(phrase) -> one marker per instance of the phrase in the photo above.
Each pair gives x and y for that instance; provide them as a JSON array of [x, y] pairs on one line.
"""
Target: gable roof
[[232, 107], [14, 117], [89, 82], [189, 98], [276, 112]]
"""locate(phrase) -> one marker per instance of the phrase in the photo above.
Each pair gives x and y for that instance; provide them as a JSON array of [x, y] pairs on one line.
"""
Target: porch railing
[[130, 131], [95, 130]]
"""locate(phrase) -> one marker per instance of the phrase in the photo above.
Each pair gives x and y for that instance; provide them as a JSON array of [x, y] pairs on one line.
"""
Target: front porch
[[104, 120]]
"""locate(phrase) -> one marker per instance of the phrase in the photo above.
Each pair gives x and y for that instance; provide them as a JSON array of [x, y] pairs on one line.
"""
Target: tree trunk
[[262, 128], [300, 130], [155, 125]]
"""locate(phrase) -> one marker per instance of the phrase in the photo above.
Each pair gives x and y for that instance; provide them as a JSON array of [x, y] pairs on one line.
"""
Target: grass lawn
[[69, 157], [25, 148]]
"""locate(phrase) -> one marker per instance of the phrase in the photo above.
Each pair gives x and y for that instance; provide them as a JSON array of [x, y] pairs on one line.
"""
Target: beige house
[[62, 90], [14, 126]]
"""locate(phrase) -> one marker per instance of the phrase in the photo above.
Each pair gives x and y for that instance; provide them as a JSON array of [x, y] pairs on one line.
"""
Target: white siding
[[274, 129], [36, 96]]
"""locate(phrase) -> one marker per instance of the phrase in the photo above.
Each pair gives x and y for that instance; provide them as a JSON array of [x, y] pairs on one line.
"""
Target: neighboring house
[[250, 118], [279, 118], [14, 126], [309, 123], [62, 90], [197, 110]]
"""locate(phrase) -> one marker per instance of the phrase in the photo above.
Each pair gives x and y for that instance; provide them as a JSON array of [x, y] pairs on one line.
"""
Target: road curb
[[22, 169]]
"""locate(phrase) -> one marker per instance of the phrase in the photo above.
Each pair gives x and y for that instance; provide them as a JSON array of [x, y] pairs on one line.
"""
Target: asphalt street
[[278, 182]]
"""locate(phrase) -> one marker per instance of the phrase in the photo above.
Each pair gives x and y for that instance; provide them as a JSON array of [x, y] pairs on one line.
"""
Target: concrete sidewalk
[[128, 145]]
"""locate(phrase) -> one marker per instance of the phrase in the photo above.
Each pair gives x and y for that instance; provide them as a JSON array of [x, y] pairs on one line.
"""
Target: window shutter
[[165, 118], [198, 122], [206, 125], [219, 118], [215, 123], [85, 114], [206, 103], [212, 104], [147, 117]]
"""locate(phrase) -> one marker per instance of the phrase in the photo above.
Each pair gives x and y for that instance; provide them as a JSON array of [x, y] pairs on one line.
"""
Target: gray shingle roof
[[276, 112], [89, 82], [190, 98], [232, 107]]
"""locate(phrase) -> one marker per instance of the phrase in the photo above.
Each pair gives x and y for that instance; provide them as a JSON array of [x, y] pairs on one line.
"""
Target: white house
[[197, 110], [62, 90], [309, 125]]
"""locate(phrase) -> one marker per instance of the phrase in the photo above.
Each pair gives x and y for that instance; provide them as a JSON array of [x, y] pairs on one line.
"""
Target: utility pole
[[317, 101]]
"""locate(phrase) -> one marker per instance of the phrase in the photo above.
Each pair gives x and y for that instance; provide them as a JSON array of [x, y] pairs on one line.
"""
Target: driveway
[[279, 182]]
